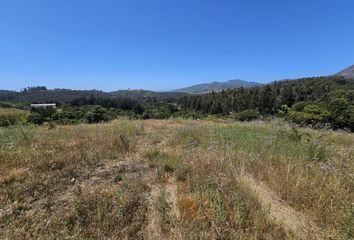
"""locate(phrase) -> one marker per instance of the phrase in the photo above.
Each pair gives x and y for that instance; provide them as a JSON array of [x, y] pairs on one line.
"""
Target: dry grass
[[311, 171], [174, 179]]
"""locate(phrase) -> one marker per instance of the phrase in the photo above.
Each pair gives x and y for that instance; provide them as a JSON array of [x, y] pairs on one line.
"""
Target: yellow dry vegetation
[[176, 179]]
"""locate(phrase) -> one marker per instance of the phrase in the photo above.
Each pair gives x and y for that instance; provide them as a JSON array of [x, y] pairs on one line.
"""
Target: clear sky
[[168, 44]]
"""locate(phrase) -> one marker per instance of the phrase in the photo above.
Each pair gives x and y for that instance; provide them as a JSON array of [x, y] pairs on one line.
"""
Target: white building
[[44, 105]]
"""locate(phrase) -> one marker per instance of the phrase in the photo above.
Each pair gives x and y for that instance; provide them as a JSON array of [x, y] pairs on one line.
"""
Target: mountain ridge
[[67, 95], [347, 73], [217, 86]]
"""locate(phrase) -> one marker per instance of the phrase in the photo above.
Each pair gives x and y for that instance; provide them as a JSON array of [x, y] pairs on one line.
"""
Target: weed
[[154, 157], [242, 212], [119, 204], [118, 178], [316, 148], [77, 209], [295, 134], [162, 205]]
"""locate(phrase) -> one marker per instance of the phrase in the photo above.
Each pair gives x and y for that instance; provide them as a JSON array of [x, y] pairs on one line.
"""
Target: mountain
[[217, 86], [347, 73]]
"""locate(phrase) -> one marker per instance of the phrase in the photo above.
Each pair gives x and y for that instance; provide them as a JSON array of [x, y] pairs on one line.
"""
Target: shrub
[[295, 134], [5, 105], [312, 115], [317, 113], [11, 116], [299, 106], [247, 115], [344, 120], [41, 115], [86, 114], [97, 114], [35, 118], [342, 112], [284, 110], [189, 114]]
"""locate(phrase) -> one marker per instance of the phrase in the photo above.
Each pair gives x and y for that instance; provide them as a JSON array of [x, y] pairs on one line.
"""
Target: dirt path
[[172, 200], [172, 197], [153, 217], [296, 222], [288, 218], [168, 185]]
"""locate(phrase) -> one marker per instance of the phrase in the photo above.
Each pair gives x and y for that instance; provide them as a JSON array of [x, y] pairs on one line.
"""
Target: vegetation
[[41, 94], [176, 179], [247, 115], [318, 102], [10, 116], [311, 101], [117, 103], [91, 106]]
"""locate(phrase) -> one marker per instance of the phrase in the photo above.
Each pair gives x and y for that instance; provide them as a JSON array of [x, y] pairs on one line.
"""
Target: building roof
[[44, 105]]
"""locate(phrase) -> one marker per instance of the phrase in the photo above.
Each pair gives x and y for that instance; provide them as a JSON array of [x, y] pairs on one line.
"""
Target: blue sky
[[168, 44]]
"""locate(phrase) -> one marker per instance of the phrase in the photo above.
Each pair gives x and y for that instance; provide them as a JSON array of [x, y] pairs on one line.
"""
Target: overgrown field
[[176, 179]]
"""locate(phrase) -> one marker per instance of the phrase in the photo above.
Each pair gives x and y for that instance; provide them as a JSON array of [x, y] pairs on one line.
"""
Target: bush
[[41, 115], [160, 111], [311, 115], [344, 120], [5, 105], [86, 114], [11, 116], [317, 112], [342, 111], [97, 114], [246, 115], [189, 114], [283, 111], [35, 118], [299, 106]]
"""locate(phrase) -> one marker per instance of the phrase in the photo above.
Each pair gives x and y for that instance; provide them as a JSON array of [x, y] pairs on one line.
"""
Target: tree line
[[320, 101], [42, 94], [312, 101]]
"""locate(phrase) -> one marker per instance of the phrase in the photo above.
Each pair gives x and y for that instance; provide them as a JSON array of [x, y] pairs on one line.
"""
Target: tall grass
[[38, 164], [66, 182], [311, 170]]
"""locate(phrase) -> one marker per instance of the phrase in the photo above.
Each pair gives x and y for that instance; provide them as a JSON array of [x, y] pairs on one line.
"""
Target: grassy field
[[176, 179]]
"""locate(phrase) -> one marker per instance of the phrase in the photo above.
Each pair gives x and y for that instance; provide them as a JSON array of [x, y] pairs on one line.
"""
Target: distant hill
[[347, 73], [217, 86], [43, 95]]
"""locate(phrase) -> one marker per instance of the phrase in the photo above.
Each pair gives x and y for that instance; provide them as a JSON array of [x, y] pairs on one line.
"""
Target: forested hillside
[[61, 96], [308, 100]]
